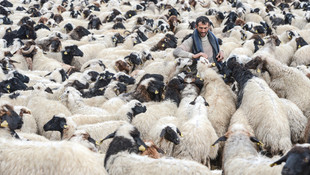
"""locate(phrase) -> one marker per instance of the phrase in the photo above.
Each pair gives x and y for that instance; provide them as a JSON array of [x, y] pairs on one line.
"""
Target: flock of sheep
[[92, 87]]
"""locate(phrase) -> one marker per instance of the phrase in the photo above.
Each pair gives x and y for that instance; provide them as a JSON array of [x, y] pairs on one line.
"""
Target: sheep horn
[[29, 50]]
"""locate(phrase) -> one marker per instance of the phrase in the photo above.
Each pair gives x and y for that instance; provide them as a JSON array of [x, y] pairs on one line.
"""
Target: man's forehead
[[200, 24]]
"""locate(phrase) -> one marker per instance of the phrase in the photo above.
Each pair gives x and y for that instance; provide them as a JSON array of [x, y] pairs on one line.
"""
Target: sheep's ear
[[163, 132], [255, 140], [48, 90], [278, 162], [206, 104], [160, 150], [179, 132], [112, 135], [223, 138]]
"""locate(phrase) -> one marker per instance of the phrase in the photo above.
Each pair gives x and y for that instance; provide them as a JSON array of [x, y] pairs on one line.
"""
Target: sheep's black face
[[55, 45], [74, 51], [300, 42], [93, 75], [169, 134], [149, 22], [126, 79], [55, 124], [138, 108], [297, 164], [26, 32], [259, 29], [68, 27], [130, 14], [14, 120], [118, 25], [288, 18], [12, 85], [173, 11], [94, 24], [117, 38], [155, 89], [120, 88], [21, 77]]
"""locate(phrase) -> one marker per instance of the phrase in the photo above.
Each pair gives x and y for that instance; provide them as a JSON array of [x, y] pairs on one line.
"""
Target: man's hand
[[201, 54], [220, 56]]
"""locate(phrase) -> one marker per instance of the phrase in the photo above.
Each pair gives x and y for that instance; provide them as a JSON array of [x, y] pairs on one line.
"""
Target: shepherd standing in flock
[[202, 43]]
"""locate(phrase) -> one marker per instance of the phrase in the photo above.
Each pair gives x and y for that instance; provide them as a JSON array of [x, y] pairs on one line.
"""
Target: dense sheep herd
[[93, 87]]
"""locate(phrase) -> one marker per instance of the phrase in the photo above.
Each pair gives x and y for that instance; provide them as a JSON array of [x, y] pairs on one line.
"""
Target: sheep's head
[[56, 124], [300, 42], [237, 129], [297, 160], [79, 32], [83, 137], [183, 64], [122, 77], [70, 52], [136, 108], [122, 65], [125, 138], [171, 133], [117, 38], [9, 118], [94, 23]]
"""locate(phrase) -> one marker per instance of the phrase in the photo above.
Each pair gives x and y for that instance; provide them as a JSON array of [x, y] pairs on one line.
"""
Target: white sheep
[[221, 99], [300, 57], [263, 108], [73, 100], [240, 155], [48, 158], [198, 134]]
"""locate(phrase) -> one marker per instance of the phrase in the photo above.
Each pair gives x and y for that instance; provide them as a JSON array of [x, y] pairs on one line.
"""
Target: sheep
[[198, 134], [297, 120], [304, 69], [73, 100], [67, 127], [300, 57], [166, 134], [124, 148], [190, 91], [269, 119], [280, 74], [10, 121], [67, 157], [43, 113], [296, 160], [249, 47], [220, 97], [241, 156], [30, 125]]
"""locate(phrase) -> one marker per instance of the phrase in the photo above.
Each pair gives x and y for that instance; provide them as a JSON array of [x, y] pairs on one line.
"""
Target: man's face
[[202, 29]]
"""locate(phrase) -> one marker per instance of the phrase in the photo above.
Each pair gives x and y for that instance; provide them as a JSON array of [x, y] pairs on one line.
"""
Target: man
[[202, 43]]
